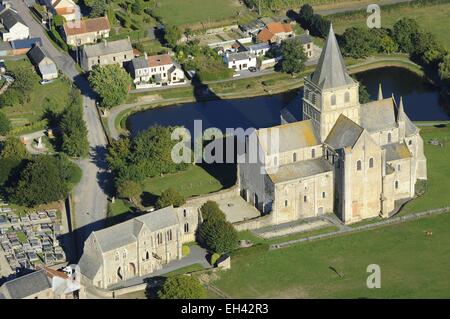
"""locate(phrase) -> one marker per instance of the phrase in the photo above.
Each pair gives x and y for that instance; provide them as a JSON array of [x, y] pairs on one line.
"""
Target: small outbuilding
[[46, 67]]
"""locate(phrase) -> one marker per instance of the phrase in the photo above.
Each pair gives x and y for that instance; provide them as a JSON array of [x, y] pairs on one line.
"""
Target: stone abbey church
[[356, 160]]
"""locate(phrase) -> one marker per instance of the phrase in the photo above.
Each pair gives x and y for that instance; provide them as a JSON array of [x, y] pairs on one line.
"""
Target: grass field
[[438, 165], [52, 96], [433, 19], [180, 12], [413, 265], [193, 181]]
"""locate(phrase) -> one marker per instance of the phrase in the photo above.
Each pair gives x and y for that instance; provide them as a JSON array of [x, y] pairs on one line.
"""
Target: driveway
[[89, 197]]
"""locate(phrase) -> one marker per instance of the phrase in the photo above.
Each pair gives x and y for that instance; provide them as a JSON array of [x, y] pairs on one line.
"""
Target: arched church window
[[275, 161], [410, 142], [294, 157], [116, 256], [186, 228], [333, 99], [389, 137], [313, 153], [371, 162], [285, 203], [358, 165], [124, 254], [396, 184], [347, 97]]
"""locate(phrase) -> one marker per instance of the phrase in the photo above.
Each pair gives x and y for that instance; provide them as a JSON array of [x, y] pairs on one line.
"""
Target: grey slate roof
[[105, 48], [300, 170], [45, 69], [126, 233], [36, 55], [9, 18], [344, 133], [139, 63], [396, 151], [331, 71], [410, 128], [240, 56], [304, 38], [378, 115], [89, 265], [27, 285]]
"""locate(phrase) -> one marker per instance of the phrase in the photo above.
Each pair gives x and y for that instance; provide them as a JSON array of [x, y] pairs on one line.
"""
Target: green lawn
[[179, 12], [413, 265], [438, 166], [118, 208], [195, 180], [52, 96], [433, 19]]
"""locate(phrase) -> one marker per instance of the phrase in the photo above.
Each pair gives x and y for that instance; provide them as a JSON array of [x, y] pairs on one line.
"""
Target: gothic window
[[186, 228], [159, 238], [389, 137], [333, 99], [313, 153], [116, 256], [147, 255], [396, 184], [358, 165], [370, 162], [124, 254], [169, 235], [285, 203], [275, 161], [410, 142], [294, 157], [184, 213], [347, 97], [398, 167], [324, 195], [305, 198]]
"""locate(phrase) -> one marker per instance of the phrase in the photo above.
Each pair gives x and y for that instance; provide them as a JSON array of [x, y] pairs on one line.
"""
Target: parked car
[[43, 82], [252, 69]]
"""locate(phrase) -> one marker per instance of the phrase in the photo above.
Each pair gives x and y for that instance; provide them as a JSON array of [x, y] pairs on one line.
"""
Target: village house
[[86, 31], [66, 8], [136, 247], [12, 27], [357, 160], [104, 53], [156, 69], [275, 32], [258, 49], [307, 42], [44, 65], [240, 60]]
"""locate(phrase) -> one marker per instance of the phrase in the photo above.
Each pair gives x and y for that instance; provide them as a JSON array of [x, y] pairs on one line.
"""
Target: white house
[[66, 8], [155, 70], [46, 67], [240, 60], [258, 49], [12, 27]]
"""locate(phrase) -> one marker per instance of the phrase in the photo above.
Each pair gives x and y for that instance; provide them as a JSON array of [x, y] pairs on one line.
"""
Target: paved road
[[89, 198]]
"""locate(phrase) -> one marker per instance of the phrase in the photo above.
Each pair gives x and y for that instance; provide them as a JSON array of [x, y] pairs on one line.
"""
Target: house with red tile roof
[[275, 32], [86, 31]]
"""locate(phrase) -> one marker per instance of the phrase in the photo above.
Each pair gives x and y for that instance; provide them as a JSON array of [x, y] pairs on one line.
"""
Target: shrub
[[218, 236], [214, 258], [185, 250], [210, 210], [182, 287], [170, 197]]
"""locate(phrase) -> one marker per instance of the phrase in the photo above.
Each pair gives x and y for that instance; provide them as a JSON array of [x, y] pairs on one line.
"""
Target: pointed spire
[[400, 107], [380, 92], [331, 71]]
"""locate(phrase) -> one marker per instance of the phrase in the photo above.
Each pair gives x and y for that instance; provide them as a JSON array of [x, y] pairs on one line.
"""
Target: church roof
[[378, 115], [344, 133], [410, 128], [27, 285], [89, 265], [126, 233], [292, 136], [331, 71], [396, 151], [300, 169]]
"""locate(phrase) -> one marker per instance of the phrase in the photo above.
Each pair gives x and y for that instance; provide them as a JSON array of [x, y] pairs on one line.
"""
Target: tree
[[211, 211], [170, 197], [444, 68], [118, 153], [98, 8], [172, 34], [218, 236], [138, 6], [182, 287], [43, 180], [387, 45], [403, 32], [5, 124], [364, 96], [74, 130], [12, 148], [129, 189], [293, 56], [358, 42], [319, 26], [111, 83], [58, 21], [426, 48], [305, 15]]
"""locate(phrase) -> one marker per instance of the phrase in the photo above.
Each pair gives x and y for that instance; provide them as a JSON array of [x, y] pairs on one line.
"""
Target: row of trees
[[33, 180], [315, 23], [146, 155]]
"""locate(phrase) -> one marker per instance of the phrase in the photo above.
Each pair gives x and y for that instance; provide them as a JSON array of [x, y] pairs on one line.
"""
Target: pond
[[422, 102]]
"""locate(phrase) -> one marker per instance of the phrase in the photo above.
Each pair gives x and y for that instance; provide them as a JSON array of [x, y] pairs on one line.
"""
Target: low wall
[[216, 196], [128, 290], [254, 223]]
